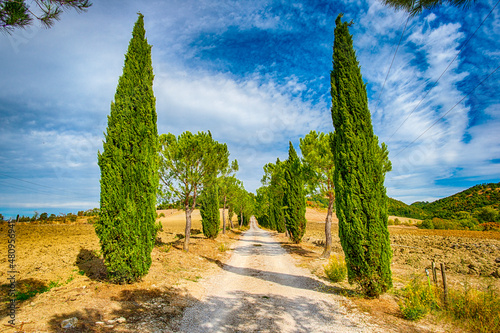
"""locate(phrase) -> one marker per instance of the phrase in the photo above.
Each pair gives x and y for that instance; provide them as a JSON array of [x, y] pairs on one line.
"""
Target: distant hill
[[471, 201], [467, 204], [399, 208]]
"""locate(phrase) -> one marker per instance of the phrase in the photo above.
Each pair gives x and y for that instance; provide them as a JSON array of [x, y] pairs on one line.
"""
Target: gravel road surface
[[261, 290]]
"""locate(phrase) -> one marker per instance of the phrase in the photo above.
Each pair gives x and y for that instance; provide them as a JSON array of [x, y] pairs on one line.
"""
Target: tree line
[[137, 164]]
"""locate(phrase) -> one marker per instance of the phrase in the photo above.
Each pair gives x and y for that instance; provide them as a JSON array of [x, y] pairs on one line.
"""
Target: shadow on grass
[[91, 265], [25, 290], [157, 309], [297, 249]]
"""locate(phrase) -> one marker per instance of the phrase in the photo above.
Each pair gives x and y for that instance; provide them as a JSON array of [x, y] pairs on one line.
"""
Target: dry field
[[67, 255], [471, 258], [65, 258]]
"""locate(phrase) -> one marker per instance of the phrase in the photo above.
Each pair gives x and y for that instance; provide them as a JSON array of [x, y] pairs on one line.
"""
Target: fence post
[[445, 287], [434, 275]]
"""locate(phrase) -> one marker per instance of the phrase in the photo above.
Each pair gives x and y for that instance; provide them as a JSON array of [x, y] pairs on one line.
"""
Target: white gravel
[[261, 290]]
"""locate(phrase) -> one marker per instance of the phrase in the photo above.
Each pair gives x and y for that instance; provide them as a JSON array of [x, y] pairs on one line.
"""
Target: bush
[[336, 269], [418, 300], [390, 222], [397, 221], [426, 224], [494, 226]]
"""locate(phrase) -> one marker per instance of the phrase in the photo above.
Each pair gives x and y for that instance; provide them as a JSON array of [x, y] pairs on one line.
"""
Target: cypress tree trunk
[[359, 177], [129, 172], [294, 199]]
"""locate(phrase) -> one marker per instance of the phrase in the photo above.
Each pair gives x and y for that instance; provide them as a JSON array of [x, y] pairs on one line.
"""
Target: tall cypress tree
[[209, 209], [129, 171], [359, 173], [294, 200]]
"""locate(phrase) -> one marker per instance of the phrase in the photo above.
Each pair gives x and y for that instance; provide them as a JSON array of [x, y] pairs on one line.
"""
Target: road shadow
[[247, 312], [289, 280], [296, 249], [156, 310]]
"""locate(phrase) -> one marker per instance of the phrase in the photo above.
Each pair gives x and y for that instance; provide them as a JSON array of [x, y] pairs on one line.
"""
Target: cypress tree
[[129, 171], [277, 192], [359, 173], [294, 200], [209, 209]]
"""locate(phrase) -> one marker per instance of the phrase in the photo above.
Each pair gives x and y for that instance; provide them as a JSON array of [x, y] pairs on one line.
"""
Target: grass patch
[[29, 291], [478, 310], [475, 310], [223, 247], [336, 269]]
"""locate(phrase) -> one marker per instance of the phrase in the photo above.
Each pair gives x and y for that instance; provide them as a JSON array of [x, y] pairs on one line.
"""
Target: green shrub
[[336, 269], [418, 299], [390, 222], [397, 221]]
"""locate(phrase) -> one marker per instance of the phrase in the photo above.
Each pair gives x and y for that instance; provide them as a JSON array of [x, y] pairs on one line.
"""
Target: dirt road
[[261, 290]]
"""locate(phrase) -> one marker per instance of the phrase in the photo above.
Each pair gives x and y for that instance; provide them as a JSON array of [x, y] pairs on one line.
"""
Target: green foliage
[[187, 163], [17, 14], [415, 7], [418, 299], [472, 200], [129, 172], [317, 159], [209, 209], [336, 269], [294, 201], [399, 208], [360, 167]]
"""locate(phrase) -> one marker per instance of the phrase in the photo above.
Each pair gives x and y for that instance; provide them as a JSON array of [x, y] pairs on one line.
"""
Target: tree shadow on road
[[248, 312], [151, 309], [289, 280]]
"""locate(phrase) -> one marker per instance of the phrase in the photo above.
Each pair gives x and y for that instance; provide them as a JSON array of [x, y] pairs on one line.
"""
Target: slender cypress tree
[[209, 209], [129, 171], [359, 173], [294, 200]]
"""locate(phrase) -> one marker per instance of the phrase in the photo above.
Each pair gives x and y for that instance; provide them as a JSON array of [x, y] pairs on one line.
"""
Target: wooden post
[[434, 275], [445, 287]]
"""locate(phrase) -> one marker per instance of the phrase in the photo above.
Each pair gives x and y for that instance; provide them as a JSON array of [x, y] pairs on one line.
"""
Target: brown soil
[[67, 255], [471, 258]]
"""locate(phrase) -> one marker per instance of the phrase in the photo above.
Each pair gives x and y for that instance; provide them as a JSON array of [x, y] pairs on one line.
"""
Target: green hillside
[[466, 203], [399, 208], [477, 208]]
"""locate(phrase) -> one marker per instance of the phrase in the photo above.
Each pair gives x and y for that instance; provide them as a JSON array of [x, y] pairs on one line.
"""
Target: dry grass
[[68, 255], [469, 257]]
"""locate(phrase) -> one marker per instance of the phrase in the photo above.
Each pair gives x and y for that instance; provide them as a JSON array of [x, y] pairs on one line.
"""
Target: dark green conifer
[[129, 171], [360, 195], [209, 209], [294, 200]]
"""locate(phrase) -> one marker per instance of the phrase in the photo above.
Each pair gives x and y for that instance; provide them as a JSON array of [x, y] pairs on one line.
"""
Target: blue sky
[[256, 74]]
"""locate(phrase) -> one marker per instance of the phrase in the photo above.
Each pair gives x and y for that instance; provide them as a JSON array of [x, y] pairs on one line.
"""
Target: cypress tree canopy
[[294, 200], [360, 195], [129, 171]]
